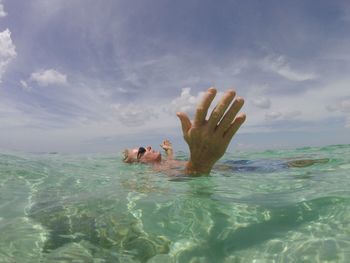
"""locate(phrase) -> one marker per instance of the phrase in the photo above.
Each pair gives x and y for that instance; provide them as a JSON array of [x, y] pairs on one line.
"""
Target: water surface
[[254, 208]]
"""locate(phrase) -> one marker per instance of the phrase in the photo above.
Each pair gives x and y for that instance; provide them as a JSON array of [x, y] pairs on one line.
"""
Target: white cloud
[[342, 106], [279, 65], [273, 115], [185, 102], [48, 77], [308, 107], [188, 103], [291, 114], [7, 50], [122, 90], [25, 85], [277, 115], [2, 10], [262, 102], [133, 115]]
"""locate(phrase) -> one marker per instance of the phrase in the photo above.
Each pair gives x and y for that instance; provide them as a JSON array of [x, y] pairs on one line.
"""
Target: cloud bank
[[280, 66], [129, 67], [262, 102], [133, 115], [7, 50]]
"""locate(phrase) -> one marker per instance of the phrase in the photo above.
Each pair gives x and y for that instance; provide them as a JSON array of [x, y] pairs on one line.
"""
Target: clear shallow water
[[94, 208]]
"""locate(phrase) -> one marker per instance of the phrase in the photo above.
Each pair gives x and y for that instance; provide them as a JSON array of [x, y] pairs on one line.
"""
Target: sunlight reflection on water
[[94, 208]]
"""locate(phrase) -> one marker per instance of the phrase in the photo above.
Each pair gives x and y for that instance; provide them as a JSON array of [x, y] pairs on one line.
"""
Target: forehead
[[134, 151]]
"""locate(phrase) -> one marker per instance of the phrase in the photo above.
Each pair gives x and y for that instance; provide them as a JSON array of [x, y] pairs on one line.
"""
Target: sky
[[98, 76]]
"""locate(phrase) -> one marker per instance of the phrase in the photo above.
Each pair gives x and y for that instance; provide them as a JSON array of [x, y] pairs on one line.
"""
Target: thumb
[[185, 122]]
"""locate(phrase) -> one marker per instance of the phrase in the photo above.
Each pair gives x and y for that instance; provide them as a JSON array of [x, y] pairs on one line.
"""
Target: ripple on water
[[97, 209]]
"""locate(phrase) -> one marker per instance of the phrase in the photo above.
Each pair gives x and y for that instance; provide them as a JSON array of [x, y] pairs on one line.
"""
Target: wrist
[[168, 151], [198, 168]]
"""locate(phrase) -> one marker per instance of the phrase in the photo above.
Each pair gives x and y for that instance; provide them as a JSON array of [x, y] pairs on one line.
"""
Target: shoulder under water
[[269, 165]]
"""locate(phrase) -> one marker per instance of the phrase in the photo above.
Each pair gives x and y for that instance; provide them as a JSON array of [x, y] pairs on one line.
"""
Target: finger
[[230, 114], [203, 107], [238, 121], [185, 122], [220, 109]]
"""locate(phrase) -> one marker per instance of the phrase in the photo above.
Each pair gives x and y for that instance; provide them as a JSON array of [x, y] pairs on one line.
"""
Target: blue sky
[[97, 76]]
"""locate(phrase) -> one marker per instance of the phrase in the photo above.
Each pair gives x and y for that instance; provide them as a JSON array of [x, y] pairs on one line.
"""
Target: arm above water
[[168, 149], [209, 138]]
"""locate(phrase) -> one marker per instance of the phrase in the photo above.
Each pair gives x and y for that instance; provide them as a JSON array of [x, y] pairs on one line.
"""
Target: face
[[142, 155]]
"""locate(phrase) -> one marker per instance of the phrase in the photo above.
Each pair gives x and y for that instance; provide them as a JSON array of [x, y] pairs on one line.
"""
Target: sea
[[253, 207]]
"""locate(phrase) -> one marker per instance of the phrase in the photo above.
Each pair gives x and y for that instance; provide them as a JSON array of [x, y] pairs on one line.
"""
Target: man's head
[[142, 155]]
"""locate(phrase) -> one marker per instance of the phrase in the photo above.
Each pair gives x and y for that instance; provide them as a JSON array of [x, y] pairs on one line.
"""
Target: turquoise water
[[94, 208]]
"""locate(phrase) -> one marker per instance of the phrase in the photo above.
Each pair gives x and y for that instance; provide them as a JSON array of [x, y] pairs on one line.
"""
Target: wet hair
[[125, 155]]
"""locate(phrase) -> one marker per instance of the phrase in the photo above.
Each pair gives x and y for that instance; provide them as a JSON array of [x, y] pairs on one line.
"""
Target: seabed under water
[[93, 208]]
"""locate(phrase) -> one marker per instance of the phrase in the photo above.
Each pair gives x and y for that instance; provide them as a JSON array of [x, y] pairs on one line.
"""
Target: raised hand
[[208, 139], [166, 145], [168, 148]]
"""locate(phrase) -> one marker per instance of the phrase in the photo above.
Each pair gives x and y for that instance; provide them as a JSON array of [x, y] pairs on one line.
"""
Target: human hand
[[168, 148], [209, 139], [166, 145]]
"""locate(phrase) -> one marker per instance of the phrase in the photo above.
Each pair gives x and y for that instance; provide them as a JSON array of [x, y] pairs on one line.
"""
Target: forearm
[[201, 160], [169, 154]]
